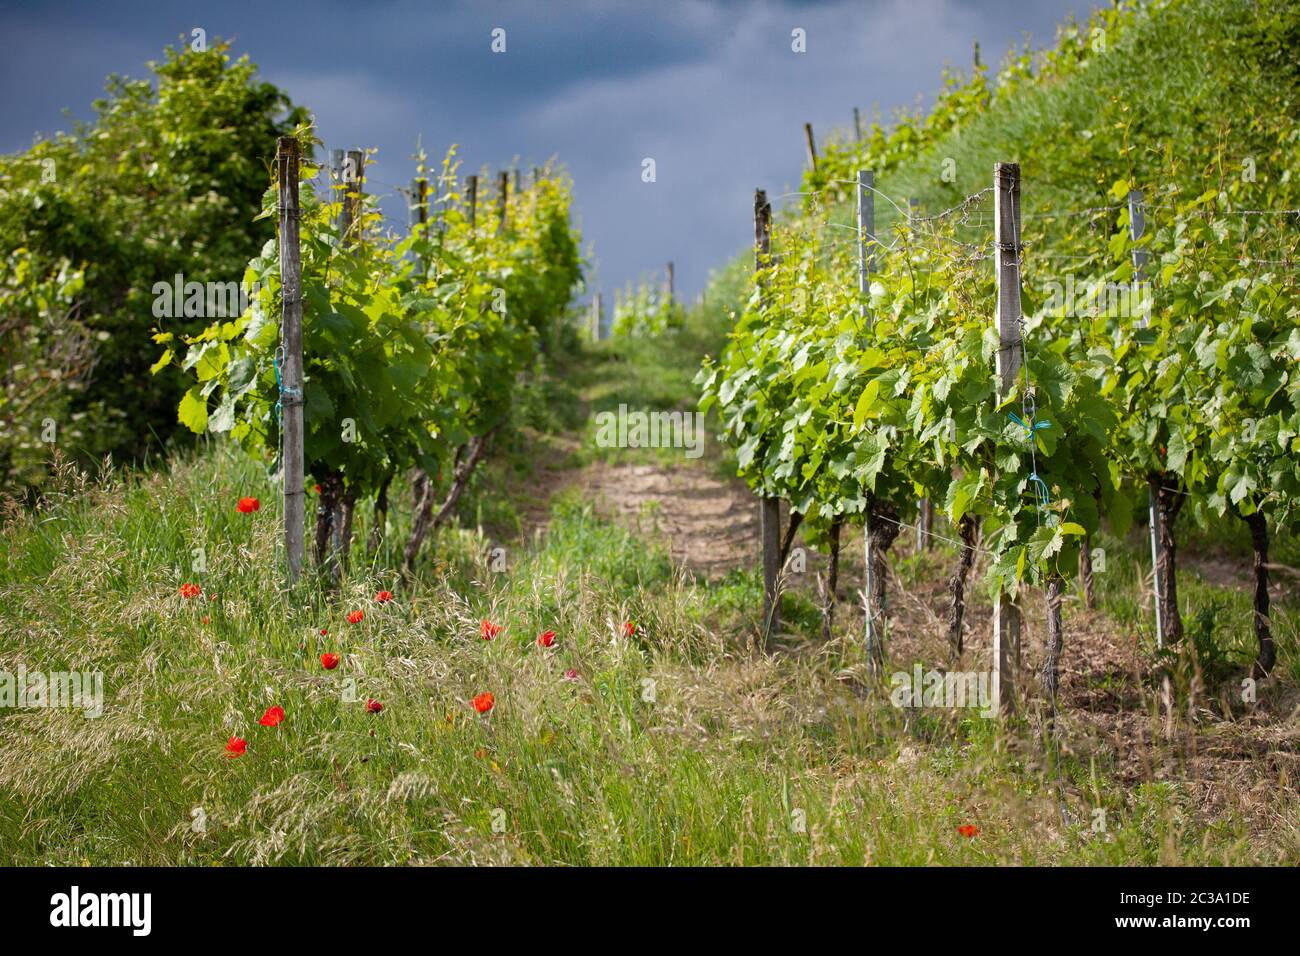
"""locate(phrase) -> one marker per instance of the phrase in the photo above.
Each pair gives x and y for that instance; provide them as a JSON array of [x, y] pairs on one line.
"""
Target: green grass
[[679, 746]]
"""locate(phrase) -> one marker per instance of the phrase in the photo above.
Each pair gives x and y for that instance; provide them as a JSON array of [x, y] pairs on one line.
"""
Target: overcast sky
[[711, 90]]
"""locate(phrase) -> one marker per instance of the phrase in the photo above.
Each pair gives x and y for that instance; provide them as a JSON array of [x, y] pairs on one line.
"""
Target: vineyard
[[959, 523], [1151, 361]]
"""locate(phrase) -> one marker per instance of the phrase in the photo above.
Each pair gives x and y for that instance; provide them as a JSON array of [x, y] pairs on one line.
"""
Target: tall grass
[[676, 745]]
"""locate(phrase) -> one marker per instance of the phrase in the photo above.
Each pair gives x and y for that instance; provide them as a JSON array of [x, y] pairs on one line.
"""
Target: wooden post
[[503, 189], [413, 205], [337, 170], [420, 187], [670, 283], [471, 197], [866, 215], [287, 159], [1006, 209], [770, 524], [925, 510], [769, 514], [1136, 227], [812, 146], [350, 174], [857, 125], [418, 214], [866, 222]]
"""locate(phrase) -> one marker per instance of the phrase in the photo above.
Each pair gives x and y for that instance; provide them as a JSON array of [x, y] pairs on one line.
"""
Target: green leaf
[[866, 401], [193, 412], [960, 494], [163, 361], [1177, 451], [1240, 488], [223, 419]]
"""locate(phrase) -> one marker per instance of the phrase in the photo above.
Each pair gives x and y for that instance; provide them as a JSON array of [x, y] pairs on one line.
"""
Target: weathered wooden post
[[417, 201], [925, 509], [350, 167], [866, 217], [866, 223], [1006, 210], [337, 186], [420, 213], [287, 159], [1137, 226], [812, 146], [769, 514], [471, 197], [503, 190]]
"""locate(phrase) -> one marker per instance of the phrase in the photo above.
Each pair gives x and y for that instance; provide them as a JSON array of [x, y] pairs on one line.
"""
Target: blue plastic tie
[[1041, 490], [279, 385], [1029, 429]]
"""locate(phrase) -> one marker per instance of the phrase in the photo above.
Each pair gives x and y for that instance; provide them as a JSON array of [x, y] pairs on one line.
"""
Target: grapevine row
[[413, 344], [1170, 374]]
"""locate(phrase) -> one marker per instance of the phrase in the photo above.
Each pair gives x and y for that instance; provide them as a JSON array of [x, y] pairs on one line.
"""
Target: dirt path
[[709, 524]]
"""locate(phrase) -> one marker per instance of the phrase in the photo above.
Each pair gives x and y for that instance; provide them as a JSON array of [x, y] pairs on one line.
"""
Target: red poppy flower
[[273, 717], [235, 747], [206, 619], [190, 590], [968, 830], [571, 674], [324, 631], [483, 702], [546, 639], [489, 630], [247, 505], [355, 617], [317, 489], [373, 706], [383, 597], [629, 628], [329, 661]]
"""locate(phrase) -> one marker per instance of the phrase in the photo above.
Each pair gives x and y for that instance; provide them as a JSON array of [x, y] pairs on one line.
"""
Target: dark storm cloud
[[710, 90]]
